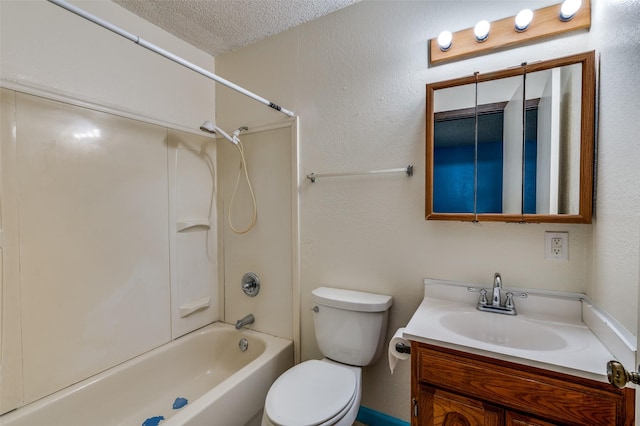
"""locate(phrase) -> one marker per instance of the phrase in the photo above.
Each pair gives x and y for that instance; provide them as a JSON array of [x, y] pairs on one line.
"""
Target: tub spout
[[249, 319]]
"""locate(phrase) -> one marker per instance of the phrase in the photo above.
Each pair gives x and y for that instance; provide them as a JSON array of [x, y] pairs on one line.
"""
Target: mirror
[[514, 145]]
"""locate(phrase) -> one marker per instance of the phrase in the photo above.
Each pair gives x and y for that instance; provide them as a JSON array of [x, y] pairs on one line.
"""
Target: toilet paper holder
[[402, 348]]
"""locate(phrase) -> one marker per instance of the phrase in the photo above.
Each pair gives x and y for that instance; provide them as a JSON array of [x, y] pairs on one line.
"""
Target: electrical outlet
[[556, 245]]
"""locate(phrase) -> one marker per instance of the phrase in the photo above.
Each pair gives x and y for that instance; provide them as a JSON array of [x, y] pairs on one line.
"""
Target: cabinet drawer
[[554, 396]]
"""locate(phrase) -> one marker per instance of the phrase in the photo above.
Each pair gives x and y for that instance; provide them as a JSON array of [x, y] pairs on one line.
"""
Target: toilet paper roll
[[394, 355]]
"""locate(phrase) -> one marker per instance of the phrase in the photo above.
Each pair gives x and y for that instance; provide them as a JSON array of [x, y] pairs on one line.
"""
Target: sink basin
[[503, 330], [548, 332]]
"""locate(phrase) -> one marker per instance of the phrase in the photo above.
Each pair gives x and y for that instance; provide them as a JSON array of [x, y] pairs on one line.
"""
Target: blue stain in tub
[[153, 421], [179, 403]]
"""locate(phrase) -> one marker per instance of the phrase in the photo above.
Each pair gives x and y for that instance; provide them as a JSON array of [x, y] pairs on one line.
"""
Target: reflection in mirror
[[483, 174], [553, 168], [454, 149], [500, 161], [513, 145]]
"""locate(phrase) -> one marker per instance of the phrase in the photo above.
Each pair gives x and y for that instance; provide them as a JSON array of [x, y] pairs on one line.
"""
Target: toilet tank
[[350, 326]]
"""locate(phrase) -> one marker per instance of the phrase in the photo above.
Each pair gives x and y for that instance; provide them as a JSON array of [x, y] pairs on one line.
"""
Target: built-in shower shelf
[[196, 305], [184, 225]]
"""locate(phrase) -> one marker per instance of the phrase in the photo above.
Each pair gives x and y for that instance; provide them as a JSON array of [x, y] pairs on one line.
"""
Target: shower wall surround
[[117, 294], [268, 249], [116, 241]]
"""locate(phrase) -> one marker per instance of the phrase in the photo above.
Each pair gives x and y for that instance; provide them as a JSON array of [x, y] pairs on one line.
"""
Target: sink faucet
[[249, 319], [496, 306], [497, 288]]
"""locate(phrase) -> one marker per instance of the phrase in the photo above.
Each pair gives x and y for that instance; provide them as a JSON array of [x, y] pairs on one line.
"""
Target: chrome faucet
[[496, 306], [497, 288], [249, 319]]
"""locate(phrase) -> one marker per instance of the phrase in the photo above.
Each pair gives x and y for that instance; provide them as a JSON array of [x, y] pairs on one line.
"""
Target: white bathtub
[[223, 385]]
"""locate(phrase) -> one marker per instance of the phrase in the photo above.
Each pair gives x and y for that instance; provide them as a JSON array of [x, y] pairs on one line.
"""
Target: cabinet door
[[540, 393], [440, 408], [517, 419]]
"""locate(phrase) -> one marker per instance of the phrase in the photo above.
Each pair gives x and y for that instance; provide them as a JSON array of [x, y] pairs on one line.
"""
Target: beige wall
[[615, 248], [357, 80], [43, 45]]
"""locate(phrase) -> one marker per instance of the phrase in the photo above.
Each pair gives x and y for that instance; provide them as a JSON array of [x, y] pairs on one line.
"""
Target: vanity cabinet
[[455, 388]]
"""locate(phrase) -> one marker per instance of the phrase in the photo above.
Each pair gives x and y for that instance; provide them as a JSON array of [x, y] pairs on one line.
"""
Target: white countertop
[[559, 342]]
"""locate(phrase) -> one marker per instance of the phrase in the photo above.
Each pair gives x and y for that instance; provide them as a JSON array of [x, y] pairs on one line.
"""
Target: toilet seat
[[313, 393]]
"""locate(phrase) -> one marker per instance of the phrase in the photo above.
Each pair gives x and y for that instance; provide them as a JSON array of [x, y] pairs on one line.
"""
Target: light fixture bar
[[546, 23]]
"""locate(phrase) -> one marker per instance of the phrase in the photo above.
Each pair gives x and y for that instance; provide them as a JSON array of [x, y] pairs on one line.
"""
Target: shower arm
[[160, 51], [233, 139], [209, 127]]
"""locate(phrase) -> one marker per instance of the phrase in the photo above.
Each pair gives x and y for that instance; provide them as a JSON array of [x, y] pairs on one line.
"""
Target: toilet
[[350, 328]]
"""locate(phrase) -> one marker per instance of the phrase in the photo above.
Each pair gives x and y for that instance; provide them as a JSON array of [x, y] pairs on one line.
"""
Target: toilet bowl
[[350, 327], [314, 393]]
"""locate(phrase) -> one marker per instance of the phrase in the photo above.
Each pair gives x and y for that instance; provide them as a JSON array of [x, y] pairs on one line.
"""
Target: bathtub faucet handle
[[249, 319]]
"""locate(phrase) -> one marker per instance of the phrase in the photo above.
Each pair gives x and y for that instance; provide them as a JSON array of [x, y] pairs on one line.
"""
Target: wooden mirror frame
[[587, 133]]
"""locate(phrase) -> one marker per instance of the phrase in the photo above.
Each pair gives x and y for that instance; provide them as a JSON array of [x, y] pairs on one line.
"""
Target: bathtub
[[220, 384]]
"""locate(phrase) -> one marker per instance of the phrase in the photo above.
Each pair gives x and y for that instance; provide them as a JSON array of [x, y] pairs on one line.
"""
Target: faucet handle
[[483, 297], [509, 302]]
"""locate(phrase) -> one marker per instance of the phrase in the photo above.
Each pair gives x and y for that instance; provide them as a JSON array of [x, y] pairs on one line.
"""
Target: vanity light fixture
[[550, 21], [569, 9], [481, 30], [445, 39], [523, 19]]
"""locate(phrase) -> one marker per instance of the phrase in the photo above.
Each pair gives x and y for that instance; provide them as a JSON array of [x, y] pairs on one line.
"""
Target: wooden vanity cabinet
[[455, 388]]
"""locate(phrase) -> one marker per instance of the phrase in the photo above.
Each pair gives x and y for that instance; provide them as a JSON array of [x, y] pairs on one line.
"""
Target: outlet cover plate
[[556, 245]]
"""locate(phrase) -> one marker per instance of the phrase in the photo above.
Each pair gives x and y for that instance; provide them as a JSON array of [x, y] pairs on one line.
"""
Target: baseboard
[[375, 418]]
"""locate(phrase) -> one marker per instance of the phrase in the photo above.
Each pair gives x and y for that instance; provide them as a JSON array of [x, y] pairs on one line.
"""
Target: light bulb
[[444, 40], [569, 9], [481, 30], [523, 19]]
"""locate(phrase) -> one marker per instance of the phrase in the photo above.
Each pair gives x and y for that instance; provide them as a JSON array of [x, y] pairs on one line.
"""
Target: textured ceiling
[[219, 26]]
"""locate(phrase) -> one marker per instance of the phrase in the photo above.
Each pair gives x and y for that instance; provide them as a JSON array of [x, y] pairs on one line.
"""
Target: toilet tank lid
[[351, 300]]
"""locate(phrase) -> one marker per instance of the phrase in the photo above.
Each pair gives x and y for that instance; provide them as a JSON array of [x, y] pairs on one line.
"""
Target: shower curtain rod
[[160, 51]]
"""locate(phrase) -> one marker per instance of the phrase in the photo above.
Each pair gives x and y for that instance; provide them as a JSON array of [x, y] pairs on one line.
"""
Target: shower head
[[209, 127]]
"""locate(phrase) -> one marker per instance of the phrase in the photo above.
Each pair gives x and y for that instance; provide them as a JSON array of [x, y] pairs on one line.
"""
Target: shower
[[211, 128]]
